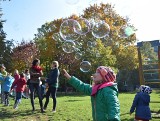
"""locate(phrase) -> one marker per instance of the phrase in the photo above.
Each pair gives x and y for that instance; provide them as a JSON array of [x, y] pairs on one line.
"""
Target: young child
[[7, 83], [104, 94], [141, 104], [20, 86], [4, 74]]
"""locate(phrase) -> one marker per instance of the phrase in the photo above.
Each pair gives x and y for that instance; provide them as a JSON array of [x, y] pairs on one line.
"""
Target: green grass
[[71, 108]]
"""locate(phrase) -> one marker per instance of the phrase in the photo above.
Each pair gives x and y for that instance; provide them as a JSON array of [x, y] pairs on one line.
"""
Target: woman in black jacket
[[52, 83]]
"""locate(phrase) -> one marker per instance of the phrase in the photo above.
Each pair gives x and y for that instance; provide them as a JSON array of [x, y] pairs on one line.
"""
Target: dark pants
[[33, 87], [51, 90], [6, 98], [18, 97]]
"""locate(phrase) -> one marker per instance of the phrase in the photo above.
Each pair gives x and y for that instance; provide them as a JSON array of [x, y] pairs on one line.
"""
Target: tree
[[104, 12], [23, 55], [5, 45], [147, 51]]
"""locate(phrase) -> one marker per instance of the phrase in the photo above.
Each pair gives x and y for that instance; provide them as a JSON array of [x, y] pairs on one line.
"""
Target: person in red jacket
[[16, 76], [20, 86]]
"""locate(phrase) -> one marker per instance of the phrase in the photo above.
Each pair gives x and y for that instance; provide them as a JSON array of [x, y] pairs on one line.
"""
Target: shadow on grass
[[79, 94], [155, 102], [132, 119], [6, 114], [73, 100], [124, 114]]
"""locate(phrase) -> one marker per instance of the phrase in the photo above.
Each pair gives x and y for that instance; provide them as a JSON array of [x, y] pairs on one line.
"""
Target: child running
[[7, 83], [104, 94], [20, 86]]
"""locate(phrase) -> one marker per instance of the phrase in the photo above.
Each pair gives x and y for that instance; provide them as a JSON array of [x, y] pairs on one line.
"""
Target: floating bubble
[[85, 66], [98, 54], [85, 26], [129, 31], [89, 44], [78, 55], [68, 46], [57, 37], [100, 29], [91, 22], [126, 31], [72, 2], [67, 29]]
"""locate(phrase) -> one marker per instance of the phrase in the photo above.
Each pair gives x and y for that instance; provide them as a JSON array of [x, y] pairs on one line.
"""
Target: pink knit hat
[[107, 73]]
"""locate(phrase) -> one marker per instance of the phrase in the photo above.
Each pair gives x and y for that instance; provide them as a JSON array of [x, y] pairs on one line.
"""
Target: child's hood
[[145, 97]]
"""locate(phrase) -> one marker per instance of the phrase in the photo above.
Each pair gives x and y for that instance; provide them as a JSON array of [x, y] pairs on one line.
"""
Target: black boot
[[42, 111]]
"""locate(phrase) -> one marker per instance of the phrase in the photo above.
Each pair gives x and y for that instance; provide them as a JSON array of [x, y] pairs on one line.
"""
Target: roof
[[153, 43]]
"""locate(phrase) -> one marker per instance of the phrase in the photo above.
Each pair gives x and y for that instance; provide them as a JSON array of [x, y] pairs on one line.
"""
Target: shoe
[[42, 111], [53, 111], [33, 109], [15, 105], [44, 108]]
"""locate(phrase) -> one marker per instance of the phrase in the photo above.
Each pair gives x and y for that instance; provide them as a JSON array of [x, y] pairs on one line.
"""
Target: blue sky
[[25, 16]]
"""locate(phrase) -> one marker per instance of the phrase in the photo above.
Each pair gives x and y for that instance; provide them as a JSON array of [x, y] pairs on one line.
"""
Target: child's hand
[[66, 74]]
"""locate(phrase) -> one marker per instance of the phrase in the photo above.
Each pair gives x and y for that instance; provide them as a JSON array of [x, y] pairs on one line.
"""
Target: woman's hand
[[66, 74]]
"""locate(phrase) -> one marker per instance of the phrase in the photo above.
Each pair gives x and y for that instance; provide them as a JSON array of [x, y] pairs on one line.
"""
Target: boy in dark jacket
[[141, 104], [20, 86]]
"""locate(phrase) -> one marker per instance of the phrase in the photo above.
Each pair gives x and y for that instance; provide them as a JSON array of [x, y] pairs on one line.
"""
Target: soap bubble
[[68, 46], [57, 37], [100, 29], [67, 29], [78, 55], [85, 26], [126, 31], [85, 66], [72, 2]]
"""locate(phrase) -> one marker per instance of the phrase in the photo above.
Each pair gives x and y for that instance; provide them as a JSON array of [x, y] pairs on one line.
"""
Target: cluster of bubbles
[[71, 30]]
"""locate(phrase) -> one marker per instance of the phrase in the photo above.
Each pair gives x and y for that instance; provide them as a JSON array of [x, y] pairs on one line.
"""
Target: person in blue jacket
[[141, 104], [52, 84], [7, 83]]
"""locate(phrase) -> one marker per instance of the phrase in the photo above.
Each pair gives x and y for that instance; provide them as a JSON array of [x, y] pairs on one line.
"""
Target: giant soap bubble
[[85, 66], [84, 26], [78, 55], [67, 29], [126, 31], [68, 46], [72, 2], [100, 29]]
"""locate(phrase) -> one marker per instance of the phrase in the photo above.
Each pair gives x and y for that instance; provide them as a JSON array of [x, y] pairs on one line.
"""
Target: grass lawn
[[72, 108]]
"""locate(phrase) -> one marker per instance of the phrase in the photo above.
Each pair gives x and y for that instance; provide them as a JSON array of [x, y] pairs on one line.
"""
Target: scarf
[[37, 68], [97, 87]]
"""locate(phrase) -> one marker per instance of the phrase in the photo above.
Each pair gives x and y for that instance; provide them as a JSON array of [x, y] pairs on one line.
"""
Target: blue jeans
[[18, 97]]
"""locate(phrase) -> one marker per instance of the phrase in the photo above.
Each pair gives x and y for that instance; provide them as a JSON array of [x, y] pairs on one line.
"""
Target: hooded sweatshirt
[[20, 83], [141, 104]]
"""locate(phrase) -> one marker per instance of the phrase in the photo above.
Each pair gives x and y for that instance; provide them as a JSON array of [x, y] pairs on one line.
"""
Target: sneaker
[[33, 109], [53, 111], [42, 111], [15, 105], [44, 108]]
